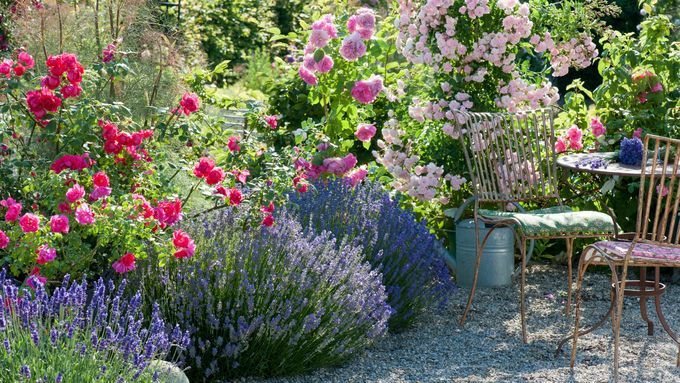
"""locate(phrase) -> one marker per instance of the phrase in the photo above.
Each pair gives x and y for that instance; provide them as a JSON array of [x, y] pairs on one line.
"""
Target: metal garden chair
[[656, 243], [511, 159]]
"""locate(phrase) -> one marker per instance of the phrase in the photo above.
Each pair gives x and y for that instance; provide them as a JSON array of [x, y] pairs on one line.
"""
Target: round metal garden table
[[582, 162]]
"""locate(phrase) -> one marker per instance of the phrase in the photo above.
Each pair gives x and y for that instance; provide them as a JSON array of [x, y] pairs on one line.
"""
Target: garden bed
[[490, 349]]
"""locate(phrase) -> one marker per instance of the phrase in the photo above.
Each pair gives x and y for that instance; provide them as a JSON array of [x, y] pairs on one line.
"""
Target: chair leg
[[522, 308], [570, 245], [582, 267], [476, 276], [618, 316]]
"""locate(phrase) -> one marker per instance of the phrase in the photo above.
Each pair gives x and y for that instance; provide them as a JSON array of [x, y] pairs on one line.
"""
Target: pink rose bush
[[95, 200]]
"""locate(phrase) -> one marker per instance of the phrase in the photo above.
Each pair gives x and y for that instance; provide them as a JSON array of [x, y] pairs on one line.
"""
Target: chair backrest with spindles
[[658, 217], [510, 156]]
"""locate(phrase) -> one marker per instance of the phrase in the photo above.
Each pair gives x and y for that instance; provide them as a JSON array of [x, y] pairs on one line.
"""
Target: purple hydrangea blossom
[[48, 335], [269, 301], [394, 242], [631, 151]]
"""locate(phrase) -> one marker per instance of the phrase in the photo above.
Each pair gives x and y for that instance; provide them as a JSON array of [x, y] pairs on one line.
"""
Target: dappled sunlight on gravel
[[489, 348]]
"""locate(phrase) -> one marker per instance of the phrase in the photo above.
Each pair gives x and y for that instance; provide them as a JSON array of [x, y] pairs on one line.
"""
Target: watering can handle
[[461, 209]]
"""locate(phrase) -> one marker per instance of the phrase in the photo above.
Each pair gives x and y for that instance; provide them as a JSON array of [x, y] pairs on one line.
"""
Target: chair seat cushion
[[645, 251], [556, 221]]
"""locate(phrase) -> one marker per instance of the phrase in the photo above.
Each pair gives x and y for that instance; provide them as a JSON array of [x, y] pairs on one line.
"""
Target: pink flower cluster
[[578, 52], [421, 182], [597, 127], [428, 35], [323, 30], [116, 140], [572, 140], [184, 245], [24, 62], [206, 169], [475, 8], [64, 69], [72, 162], [519, 94], [361, 27], [442, 109], [108, 53], [268, 212], [650, 84], [366, 91]]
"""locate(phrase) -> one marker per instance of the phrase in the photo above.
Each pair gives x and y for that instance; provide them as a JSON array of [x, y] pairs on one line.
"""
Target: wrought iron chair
[[511, 159], [656, 243]]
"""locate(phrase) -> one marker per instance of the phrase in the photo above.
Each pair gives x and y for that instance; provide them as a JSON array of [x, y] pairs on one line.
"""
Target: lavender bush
[[66, 337], [269, 301], [397, 246]]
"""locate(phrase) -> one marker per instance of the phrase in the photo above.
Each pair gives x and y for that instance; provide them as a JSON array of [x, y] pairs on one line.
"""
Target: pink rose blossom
[[4, 240], [272, 121], [26, 59], [184, 245], [307, 76], [232, 144], [189, 103], [318, 38], [268, 220], [241, 175], [365, 132], [637, 133], [324, 65], [59, 224], [597, 127], [125, 263], [656, 88], [13, 209], [84, 214], [75, 193], [100, 192], [367, 91], [100, 179], [45, 254], [30, 223], [355, 177], [560, 145], [215, 176], [352, 47], [34, 278]]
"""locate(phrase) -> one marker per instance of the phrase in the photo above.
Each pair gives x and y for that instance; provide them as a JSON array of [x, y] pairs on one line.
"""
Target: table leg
[[643, 301]]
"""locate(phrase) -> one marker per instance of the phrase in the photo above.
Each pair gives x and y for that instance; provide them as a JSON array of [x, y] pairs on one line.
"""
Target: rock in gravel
[[489, 347]]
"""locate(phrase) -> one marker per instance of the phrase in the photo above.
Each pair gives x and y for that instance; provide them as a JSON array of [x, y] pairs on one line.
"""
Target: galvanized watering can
[[497, 266]]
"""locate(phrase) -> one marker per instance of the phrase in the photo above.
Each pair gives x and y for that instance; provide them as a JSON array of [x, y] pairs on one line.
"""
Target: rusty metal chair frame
[[653, 227], [511, 159]]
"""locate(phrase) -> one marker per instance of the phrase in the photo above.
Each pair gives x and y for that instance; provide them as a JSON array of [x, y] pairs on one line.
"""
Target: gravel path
[[489, 348]]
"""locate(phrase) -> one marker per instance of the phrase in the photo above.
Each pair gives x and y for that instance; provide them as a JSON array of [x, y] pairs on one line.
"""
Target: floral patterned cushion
[[557, 220], [641, 250]]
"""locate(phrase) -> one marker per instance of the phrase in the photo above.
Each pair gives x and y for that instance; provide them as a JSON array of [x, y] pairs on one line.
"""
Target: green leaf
[[367, 145], [319, 55]]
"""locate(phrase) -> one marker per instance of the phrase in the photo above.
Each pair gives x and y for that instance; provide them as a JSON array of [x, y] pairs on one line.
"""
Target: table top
[[575, 162]]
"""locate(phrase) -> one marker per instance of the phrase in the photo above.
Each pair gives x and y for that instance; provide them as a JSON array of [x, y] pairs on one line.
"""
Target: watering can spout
[[449, 258]]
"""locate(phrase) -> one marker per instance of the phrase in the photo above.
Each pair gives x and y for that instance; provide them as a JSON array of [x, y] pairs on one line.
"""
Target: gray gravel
[[489, 348]]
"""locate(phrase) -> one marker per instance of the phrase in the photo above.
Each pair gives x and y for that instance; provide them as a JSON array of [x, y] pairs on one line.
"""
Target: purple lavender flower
[[80, 330], [394, 243], [268, 301]]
